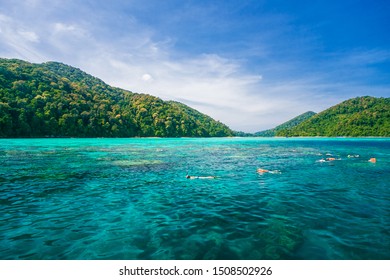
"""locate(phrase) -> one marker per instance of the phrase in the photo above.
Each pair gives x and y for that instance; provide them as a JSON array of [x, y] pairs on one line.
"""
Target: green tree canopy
[[360, 116], [56, 100]]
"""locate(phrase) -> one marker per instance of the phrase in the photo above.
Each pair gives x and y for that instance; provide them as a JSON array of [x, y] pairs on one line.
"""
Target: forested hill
[[287, 125], [361, 116], [56, 100]]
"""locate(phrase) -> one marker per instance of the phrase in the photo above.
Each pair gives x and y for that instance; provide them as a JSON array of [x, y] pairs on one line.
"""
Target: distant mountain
[[243, 134], [360, 116], [287, 125], [56, 100]]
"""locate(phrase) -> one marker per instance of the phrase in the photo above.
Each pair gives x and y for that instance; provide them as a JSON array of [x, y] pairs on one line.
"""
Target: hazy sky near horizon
[[250, 64]]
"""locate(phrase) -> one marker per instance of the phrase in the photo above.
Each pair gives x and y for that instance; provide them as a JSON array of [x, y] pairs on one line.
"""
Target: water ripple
[[130, 199]]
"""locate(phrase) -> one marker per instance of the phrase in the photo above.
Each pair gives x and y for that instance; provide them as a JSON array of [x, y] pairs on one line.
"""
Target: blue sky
[[250, 64]]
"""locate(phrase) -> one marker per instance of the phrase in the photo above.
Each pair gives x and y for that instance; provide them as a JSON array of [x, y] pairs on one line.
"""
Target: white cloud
[[18, 40], [4, 18], [146, 77], [32, 3], [29, 36], [61, 27], [363, 57], [70, 35]]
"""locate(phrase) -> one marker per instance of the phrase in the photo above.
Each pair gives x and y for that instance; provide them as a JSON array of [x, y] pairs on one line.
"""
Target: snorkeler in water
[[200, 177], [262, 171]]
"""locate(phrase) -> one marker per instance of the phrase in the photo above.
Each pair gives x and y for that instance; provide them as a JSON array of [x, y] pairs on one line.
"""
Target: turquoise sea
[[130, 198]]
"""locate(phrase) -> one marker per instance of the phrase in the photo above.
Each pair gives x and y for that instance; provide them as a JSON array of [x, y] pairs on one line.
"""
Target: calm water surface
[[130, 199]]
